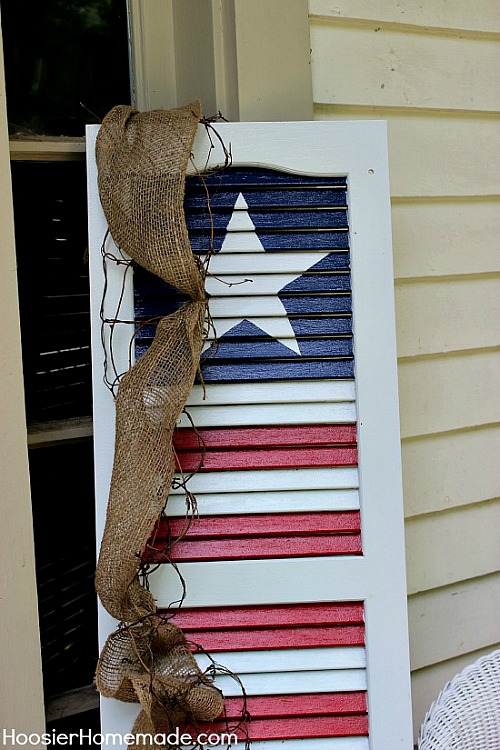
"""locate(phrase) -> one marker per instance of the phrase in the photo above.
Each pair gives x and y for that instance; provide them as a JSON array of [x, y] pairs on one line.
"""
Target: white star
[[242, 238]]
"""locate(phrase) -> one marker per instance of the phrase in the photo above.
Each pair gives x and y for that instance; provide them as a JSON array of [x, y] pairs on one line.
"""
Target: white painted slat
[[240, 221], [279, 328], [446, 548], [248, 582], [259, 263], [455, 305], [272, 479], [438, 14], [434, 154], [248, 242], [240, 306], [395, 69], [320, 743], [449, 393], [445, 238], [288, 660], [292, 683], [268, 414], [230, 503], [229, 285], [307, 391], [454, 620], [447, 471]]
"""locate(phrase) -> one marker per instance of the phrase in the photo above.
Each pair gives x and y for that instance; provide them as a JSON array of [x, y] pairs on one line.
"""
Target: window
[[66, 65]]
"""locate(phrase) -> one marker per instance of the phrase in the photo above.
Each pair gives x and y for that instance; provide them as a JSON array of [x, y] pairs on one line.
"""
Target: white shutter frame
[[358, 150]]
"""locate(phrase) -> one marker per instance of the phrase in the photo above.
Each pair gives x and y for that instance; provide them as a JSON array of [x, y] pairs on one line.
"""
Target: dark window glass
[[63, 517], [50, 210], [59, 53]]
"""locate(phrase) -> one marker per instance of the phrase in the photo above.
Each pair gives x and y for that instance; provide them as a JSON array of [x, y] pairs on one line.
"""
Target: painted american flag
[[279, 477]]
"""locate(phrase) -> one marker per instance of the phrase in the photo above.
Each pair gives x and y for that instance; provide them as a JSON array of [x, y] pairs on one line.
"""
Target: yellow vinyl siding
[[450, 469], [404, 69], [434, 14], [453, 545], [453, 620], [430, 71], [434, 155], [452, 392], [456, 233], [443, 315]]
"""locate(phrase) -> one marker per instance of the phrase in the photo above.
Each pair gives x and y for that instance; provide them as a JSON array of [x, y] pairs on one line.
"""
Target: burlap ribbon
[[142, 160]]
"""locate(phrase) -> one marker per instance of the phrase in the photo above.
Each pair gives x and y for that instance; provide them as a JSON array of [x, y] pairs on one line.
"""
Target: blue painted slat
[[306, 327], [332, 262], [302, 327], [321, 326], [257, 177], [326, 347], [326, 304], [320, 305], [312, 282], [297, 198], [146, 283], [309, 283], [146, 309], [278, 241], [236, 350], [321, 219], [299, 369]]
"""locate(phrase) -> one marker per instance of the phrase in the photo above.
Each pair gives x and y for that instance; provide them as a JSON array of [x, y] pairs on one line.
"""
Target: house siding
[[430, 71]]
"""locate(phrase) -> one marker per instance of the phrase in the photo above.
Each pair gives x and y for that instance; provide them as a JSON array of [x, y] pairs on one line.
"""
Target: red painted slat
[[323, 704], [260, 548], [303, 727], [274, 458], [272, 615], [260, 437], [273, 638], [273, 524]]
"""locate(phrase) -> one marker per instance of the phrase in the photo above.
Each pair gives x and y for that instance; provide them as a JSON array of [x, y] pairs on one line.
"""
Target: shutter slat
[[257, 178], [277, 241], [299, 705], [252, 526], [259, 549], [291, 728], [279, 479], [277, 458], [275, 220], [224, 198], [268, 414], [271, 502], [224, 437]]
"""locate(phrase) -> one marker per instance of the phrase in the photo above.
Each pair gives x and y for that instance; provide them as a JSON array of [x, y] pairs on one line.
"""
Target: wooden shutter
[[295, 570]]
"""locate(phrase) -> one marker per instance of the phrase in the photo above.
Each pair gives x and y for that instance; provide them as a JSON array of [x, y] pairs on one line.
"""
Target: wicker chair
[[466, 714]]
